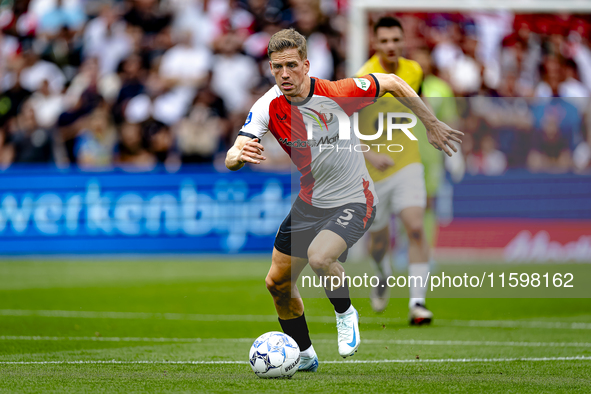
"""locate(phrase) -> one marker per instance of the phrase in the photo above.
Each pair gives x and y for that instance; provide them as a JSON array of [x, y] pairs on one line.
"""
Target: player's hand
[[441, 136], [252, 152], [380, 161]]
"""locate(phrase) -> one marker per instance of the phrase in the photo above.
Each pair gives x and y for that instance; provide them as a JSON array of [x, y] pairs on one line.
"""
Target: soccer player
[[399, 176], [335, 205]]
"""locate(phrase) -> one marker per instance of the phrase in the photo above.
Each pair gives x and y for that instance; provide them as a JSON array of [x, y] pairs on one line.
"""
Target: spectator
[[572, 85], [572, 88], [201, 132], [522, 54], [8, 54], [184, 64], [447, 49], [48, 106], [487, 160], [32, 143], [552, 77], [508, 118], [94, 145], [36, 71], [308, 21], [551, 148], [65, 50], [148, 15], [465, 73], [71, 121], [132, 77], [161, 143], [440, 94], [195, 16], [132, 149], [87, 80], [234, 90], [6, 148], [54, 20], [14, 96]]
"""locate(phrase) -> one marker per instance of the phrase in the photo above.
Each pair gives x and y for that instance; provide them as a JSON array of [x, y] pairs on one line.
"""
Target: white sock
[[309, 352], [383, 268], [386, 266], [351, 309], [418, 293]]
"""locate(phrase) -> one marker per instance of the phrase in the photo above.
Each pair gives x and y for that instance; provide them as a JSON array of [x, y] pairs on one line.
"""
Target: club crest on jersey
[[362, 83], [321, 119], [281, 118], [327, 118]]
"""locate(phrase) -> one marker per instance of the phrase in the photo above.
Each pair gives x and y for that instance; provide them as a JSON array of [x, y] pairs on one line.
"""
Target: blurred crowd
[[521, 82], [139, 83]]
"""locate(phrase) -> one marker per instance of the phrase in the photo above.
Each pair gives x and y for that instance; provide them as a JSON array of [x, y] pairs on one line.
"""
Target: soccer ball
[[274, 355]]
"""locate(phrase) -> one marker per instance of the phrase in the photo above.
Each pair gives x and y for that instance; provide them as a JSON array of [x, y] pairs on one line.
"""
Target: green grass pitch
[[187, 326]]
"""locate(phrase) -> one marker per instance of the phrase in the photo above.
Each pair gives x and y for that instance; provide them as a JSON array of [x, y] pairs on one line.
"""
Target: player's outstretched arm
[[244, 150], [439, 134]]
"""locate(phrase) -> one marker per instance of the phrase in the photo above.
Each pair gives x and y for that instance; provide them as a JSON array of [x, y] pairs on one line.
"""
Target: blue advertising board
[[522, 194], [194, 210], [44, 210]]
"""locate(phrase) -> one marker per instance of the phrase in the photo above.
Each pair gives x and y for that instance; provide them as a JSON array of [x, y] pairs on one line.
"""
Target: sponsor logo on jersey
[[328, 140], [344, 123], [362, 83], [310, 143], [294, 144]]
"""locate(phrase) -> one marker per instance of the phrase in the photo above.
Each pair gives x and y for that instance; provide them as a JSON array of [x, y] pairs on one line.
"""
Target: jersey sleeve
[[257, 121], [352, 94], [366, 86]]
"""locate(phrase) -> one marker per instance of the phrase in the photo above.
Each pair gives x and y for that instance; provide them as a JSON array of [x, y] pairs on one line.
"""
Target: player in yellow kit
[[398, 176]]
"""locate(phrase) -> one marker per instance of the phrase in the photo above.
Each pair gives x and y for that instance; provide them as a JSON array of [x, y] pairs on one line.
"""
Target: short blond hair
[[287, 39]]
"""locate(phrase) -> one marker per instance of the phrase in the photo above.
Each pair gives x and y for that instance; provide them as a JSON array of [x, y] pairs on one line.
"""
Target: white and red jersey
[[336, 174]]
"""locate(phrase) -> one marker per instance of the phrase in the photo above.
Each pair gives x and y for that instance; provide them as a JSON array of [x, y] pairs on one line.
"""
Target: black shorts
[[304, 222]]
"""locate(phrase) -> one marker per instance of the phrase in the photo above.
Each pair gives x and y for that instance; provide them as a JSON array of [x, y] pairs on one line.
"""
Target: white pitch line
[[119, 362], [248, 340], [139, 315], [110, 339], [517, 324], [463, 360], [409, 361], [476, 343], [273, 318]]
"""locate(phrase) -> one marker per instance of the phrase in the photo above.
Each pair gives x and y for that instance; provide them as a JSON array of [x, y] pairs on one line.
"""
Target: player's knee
[[319, 262], [415, 232], [277, 288], [379, 245]]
